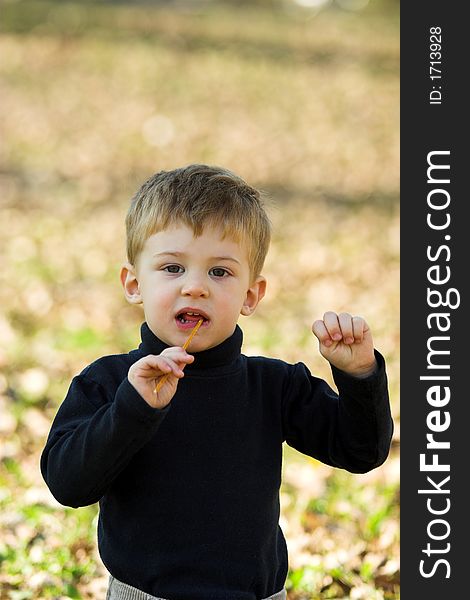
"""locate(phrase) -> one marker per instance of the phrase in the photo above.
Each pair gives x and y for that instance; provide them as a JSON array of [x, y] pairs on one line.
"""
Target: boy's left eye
[[219, 272]]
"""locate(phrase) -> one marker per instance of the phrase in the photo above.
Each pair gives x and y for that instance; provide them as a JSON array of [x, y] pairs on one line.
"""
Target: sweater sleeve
[[93, 438], [352, 430]]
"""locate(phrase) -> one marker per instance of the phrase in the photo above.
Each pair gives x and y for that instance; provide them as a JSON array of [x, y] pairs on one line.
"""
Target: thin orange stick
[[162, 380]]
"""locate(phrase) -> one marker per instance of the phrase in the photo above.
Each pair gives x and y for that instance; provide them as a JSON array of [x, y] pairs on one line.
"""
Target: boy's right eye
[[173, 269]]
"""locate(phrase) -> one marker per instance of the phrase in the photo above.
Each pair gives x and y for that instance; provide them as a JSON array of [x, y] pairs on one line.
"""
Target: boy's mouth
[[188, 318]]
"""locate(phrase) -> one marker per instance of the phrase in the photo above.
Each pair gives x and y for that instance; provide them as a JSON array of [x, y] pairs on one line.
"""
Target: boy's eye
[[173, 269], [219, 272]]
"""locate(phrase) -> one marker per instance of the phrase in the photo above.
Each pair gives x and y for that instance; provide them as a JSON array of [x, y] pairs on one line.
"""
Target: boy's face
[[178, 274]]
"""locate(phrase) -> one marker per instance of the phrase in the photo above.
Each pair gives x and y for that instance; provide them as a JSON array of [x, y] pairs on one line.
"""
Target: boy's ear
[[130, 284], [253, 296]]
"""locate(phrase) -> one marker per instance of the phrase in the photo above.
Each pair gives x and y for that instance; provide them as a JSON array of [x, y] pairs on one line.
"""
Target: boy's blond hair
[[199, 195]]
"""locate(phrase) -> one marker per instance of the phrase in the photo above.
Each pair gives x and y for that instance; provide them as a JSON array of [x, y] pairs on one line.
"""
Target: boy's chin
[[203, 340], [199, 344]]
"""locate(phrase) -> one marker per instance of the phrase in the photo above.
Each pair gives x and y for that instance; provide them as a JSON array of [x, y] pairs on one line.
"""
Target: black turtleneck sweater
[[189, 495]]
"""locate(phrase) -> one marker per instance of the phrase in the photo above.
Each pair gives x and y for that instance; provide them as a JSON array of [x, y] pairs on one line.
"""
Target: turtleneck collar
[[224, 354]]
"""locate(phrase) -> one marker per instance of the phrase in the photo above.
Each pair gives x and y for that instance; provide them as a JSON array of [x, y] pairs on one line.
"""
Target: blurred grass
[[95, 98]]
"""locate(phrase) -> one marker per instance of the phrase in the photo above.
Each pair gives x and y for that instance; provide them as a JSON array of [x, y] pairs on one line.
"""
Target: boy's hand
[[146, 372], [346, 342]]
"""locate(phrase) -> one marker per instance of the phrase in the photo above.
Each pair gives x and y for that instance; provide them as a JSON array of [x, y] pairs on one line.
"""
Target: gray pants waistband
[[118, 590]]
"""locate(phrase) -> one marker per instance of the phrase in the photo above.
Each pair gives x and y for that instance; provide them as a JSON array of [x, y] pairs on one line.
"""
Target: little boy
[[187, 472]]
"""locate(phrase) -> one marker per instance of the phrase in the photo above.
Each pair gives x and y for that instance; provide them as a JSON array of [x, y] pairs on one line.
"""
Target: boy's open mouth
[[191, 318]]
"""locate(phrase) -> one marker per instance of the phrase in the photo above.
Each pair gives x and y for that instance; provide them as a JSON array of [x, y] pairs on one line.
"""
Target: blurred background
[[300, 97]]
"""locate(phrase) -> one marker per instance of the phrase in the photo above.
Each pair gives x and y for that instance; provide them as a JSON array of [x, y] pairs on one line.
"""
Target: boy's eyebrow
[[226, 258], [168, 253], [178, 254]]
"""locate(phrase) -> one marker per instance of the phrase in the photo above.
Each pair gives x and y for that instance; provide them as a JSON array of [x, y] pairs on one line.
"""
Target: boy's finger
[[346, 324], [320, 331], [358, 328], [158, 365], [178, 354], [332, 324], [153, 362], [175, 368]]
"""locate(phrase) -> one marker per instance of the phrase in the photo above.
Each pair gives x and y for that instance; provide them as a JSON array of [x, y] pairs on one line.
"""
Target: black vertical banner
[[435, 259]]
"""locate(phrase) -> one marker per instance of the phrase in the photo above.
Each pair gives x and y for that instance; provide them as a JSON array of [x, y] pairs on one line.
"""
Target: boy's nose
[[195, 287]]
